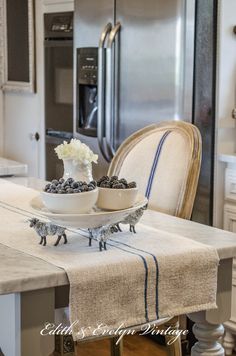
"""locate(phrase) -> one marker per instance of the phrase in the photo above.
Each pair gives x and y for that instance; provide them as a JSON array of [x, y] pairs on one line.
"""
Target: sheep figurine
[[132, 219], [102, 234], [44, 229]]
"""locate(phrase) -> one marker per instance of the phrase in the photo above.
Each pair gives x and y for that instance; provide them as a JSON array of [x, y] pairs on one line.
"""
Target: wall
[[225, 125], [24, 113]]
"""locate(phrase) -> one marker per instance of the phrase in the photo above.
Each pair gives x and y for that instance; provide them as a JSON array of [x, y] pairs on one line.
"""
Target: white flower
[[77, 151]]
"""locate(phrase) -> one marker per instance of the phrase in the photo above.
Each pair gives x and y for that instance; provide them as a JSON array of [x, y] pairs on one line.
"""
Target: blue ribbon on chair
[[155, 163]]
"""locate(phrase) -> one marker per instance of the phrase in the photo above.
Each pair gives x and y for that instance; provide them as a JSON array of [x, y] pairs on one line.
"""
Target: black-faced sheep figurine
[[102, 234], [45, 229], [132, 219]]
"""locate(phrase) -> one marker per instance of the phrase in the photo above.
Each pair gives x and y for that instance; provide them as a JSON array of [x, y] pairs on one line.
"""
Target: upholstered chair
[[164, 159]]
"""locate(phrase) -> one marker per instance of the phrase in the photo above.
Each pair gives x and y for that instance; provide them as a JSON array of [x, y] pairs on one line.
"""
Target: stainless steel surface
[[150, 71], [110, 90], [101, 89], [90, 19], [152, 62], [104, 35], [116, 89]]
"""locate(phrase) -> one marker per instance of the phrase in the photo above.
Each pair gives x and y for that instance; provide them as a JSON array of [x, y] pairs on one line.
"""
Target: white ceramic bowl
[[70, 203], [116, 199]]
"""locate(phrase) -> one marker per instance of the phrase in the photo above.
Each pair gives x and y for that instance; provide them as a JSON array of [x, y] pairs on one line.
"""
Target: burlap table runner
[[140, 278]]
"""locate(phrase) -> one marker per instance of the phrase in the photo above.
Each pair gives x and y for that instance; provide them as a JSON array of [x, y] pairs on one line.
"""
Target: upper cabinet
[[18, 47]]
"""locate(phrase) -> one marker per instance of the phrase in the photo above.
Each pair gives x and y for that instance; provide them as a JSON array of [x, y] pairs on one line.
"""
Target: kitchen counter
[[9, 167], [29, 182]]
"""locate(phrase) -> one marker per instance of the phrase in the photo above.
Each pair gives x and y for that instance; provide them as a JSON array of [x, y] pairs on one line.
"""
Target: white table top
[[21, 272]]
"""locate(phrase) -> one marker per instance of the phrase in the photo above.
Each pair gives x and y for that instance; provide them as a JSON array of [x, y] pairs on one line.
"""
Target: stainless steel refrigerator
[[134, 66]]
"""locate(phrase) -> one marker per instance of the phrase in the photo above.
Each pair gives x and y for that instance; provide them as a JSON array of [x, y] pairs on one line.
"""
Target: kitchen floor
[[133, 346]]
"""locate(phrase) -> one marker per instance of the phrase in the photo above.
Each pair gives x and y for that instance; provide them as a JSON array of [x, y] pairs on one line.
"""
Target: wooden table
[[31, 289]]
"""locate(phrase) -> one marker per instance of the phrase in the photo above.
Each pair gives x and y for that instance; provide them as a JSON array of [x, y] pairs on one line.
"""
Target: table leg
[[208, 328], [22, 316], [208, 336], [228, 343]]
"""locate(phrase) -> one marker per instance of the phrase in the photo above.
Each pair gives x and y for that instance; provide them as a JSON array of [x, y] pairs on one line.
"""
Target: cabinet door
[[230, 225], [230, 184], [230, 217]]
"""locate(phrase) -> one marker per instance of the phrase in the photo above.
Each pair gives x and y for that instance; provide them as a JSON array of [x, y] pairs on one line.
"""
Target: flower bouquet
[[77, 158]]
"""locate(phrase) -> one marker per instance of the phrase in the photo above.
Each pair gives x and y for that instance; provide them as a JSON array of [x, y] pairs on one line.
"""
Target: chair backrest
[[164, 159]]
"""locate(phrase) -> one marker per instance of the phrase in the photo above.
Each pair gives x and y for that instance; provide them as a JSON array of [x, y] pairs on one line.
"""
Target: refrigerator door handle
[[111, 89], [101, 90]]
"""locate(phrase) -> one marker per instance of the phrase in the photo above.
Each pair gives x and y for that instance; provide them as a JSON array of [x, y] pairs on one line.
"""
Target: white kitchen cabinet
[[230, 217], [229, 342], [22, 115]]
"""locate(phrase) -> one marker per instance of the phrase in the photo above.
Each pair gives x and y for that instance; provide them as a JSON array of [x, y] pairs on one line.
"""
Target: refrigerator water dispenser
[[87, 64]]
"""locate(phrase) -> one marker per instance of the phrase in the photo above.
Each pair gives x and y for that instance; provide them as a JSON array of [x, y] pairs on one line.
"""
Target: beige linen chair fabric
[[170, 153], [164, 159]]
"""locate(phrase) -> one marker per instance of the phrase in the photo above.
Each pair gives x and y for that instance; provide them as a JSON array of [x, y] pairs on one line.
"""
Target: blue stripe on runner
[[157, 269], [146, 276], [154, 164]]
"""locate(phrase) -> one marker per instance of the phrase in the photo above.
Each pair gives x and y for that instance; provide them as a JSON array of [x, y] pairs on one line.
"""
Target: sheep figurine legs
[[102, 234], [59, 239], [43, 240], [44, 229], [132, 219], [131, 227]]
